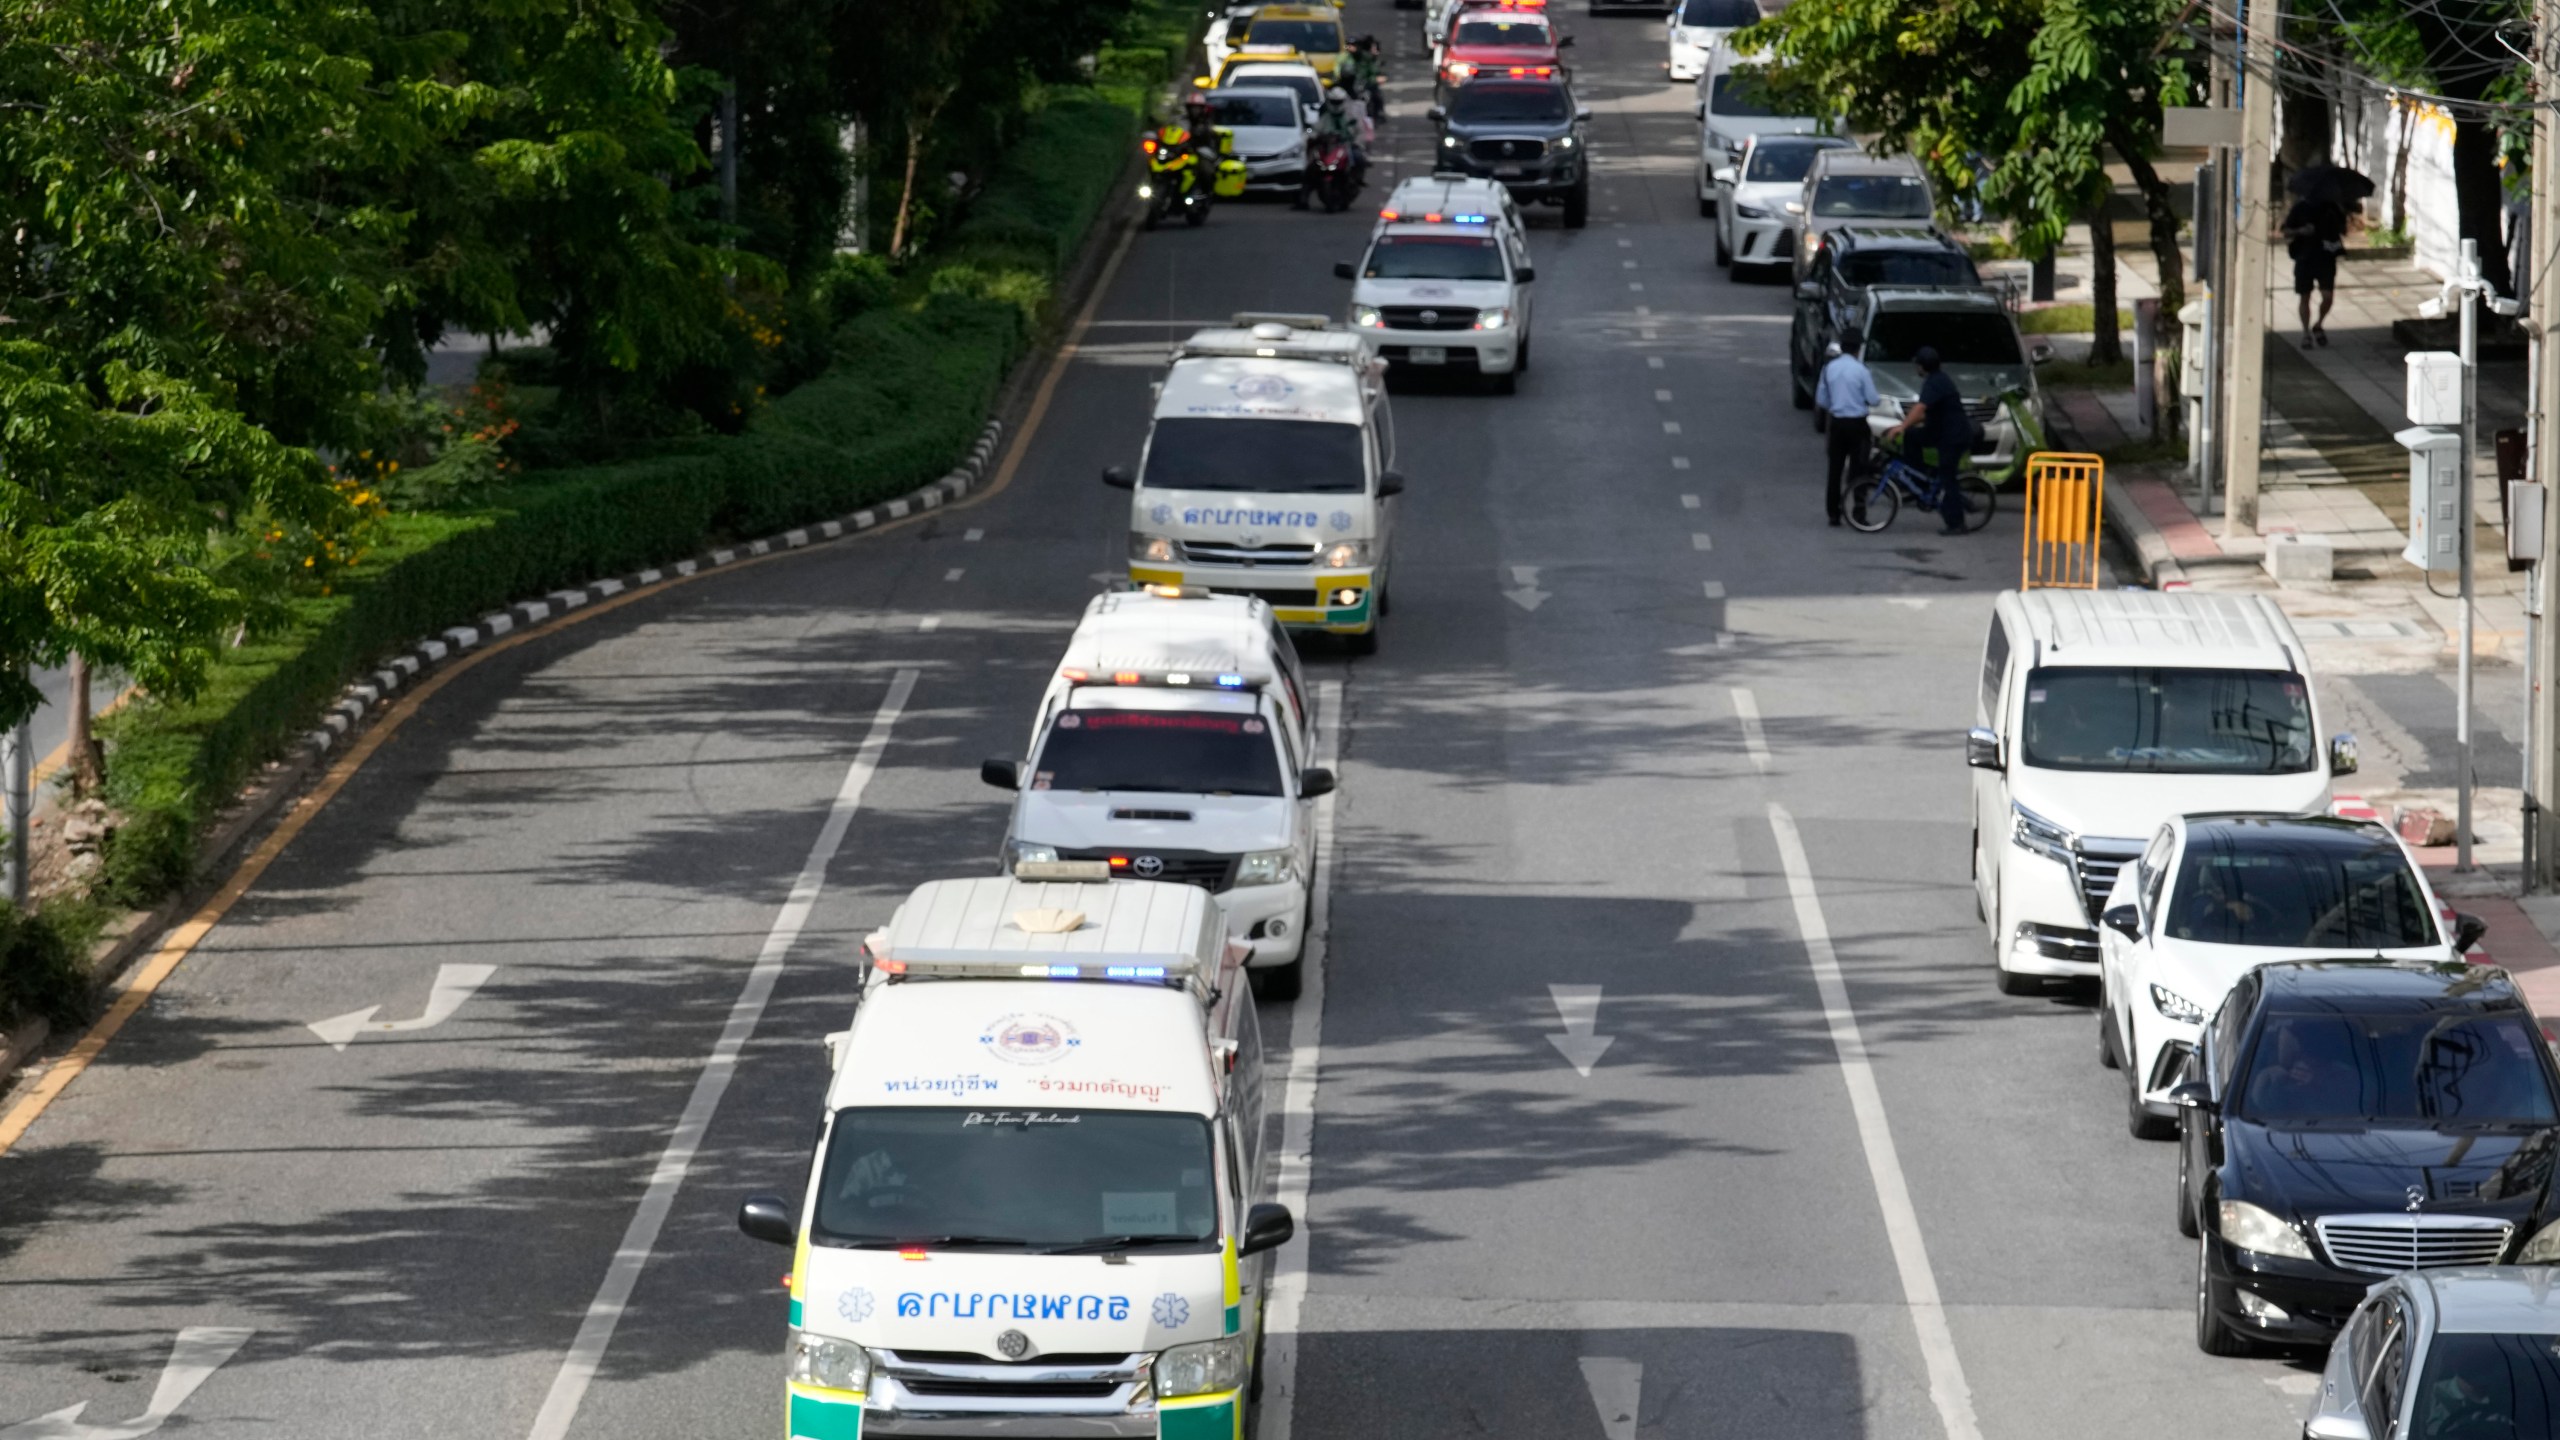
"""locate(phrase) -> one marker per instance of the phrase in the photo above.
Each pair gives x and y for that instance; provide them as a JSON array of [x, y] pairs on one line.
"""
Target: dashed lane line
[[1755, 744], [1688, 502]]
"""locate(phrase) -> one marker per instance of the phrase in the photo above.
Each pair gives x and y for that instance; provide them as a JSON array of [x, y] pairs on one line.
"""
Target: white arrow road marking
[[454, 984], [1578, 1006], [622, 1276], [1616, 1387], [1527, 596], [201, 1350]]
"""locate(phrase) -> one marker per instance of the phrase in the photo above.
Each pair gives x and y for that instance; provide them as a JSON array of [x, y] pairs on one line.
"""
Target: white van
[[1268, 471], [1039, 1199], [1174, 743], [2101, 714], [1733, 105]]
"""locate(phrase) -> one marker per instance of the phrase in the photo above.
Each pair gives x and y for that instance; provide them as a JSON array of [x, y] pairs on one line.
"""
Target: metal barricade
[[2064, 494]]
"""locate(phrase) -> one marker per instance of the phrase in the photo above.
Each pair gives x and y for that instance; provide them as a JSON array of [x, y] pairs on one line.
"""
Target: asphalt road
[[1641, 721]]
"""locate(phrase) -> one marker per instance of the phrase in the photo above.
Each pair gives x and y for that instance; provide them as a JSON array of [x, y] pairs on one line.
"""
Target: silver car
[[1980, 347], [2446, 1353]]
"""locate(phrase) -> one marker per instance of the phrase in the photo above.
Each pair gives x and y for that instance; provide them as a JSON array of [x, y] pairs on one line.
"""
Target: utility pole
[[2466, 469], [17, 807], [2542, 802], [2245, 362]]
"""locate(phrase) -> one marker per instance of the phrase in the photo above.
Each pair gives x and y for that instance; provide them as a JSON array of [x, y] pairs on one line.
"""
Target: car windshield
[[1743, 92], [1720, 14], [1307, 37], [1177, 752], [1961, 337], [1502, 103], [2250, 886], [2168, 721], [1871, 197], [1434, 257], [1909, 267], [2489, 1387], [1279, 111], [1035, 1178], [1782, 162], [1272, 457], [1503, 32], [2384, 1069]]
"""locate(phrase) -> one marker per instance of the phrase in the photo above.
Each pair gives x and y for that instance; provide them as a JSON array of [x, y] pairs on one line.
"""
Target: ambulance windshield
[[1039, 1179]]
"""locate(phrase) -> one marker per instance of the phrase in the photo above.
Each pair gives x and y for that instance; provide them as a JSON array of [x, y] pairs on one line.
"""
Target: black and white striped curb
[[360, 698]]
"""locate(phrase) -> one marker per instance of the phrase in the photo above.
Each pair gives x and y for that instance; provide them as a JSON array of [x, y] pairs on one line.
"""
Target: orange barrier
[[2064, 493]]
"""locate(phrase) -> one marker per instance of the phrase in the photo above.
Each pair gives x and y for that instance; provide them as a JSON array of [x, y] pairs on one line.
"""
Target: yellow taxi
[[1314, 31]]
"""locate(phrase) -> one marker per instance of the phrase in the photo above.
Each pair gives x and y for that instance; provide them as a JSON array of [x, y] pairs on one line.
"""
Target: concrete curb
[[2133, 529]]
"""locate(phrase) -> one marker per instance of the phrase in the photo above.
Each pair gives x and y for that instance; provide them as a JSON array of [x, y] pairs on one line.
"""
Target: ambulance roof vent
[[1271, 330]]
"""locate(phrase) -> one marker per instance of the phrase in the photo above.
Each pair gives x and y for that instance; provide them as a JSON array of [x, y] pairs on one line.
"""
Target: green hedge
[[908, 393]]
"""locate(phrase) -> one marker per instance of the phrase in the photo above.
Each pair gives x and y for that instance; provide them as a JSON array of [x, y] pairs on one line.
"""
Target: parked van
[[1174, 743], [1734, 104], [1268, 471], [1038, 1202], [2101, 714]]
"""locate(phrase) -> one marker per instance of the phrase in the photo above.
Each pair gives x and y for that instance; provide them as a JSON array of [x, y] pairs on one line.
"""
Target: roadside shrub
[[40, 970]]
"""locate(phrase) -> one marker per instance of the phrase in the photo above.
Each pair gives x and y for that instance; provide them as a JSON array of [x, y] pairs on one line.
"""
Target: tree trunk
[[906, 195], [85, 750], [2480, 197], [2167, 333], [2107, 346]]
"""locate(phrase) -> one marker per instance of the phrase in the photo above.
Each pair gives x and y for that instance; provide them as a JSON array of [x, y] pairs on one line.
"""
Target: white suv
[[1445, 290], [2101, 714]]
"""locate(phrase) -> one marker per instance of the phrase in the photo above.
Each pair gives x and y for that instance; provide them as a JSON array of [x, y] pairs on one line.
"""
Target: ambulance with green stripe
[[1269, 470], [1038, 1201]]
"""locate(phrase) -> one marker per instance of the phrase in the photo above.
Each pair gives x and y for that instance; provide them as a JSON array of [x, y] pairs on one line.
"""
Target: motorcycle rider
[[1337, 121], [1173, 155], [1362, 72]]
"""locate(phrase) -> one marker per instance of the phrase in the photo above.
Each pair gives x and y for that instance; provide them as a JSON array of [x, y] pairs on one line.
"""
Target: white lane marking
[[1581, 1044], [1746, 708], [928, 624], [1701, 540], [595, 1332], [1643, 310], [454, 984], [1662, 395], [1679, 462], [1714, 589], [1688, 502], [1647, 332], [1617, 1388], [1625, 244], [1525, 592], [1653, 362], [1908, 602], [974, 535], [1670, 427], [1626, 264], [1298, 1100], [953, 574], [1635, 285], [201, 1350], [1724, 639], [1947, 1387]]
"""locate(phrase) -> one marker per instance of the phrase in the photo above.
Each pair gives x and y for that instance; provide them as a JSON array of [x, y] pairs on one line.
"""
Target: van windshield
[[1742, 92], [1176, 752], [1034, 1178], [1250, 453], [2168, 721]]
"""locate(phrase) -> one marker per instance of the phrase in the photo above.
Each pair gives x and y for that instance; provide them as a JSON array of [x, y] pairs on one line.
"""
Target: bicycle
[[1875, 500]]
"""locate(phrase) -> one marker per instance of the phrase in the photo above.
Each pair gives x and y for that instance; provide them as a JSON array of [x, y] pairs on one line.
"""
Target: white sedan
[[1756, 198], [2215, 896]]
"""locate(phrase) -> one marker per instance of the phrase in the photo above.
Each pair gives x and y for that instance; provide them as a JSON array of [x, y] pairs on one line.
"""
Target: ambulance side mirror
[[1120, 477], [1002, 774], [1390, 482], [1313, 781], [1343, 270], [1266, 1227], [768, 1218]]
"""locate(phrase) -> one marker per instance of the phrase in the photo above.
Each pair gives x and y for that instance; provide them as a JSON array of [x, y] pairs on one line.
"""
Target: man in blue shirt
[[1844, 395], [1937, 419]]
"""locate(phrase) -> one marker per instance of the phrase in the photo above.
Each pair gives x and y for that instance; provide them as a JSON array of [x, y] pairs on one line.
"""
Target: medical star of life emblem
[[854, 1305], [1171, 1311]]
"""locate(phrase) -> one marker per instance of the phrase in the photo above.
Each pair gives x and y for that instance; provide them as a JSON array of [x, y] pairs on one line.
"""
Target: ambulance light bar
[[1154, 677], [1061, 870]]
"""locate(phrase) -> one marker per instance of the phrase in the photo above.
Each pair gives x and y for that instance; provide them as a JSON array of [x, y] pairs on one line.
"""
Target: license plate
[[1511, 172], [1428, 355]]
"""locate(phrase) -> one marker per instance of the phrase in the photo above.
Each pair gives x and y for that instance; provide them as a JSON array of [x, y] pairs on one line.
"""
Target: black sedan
[[1523, 129], [2348, 1120]]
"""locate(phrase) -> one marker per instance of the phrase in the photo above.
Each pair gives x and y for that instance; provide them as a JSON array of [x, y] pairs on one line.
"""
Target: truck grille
[[1013, 1389], [2389, 1244], [1210, 552], [955, 1384], [1427, 317], [1209, 872], [1276, 599], [1506, 152], [2095, 861]]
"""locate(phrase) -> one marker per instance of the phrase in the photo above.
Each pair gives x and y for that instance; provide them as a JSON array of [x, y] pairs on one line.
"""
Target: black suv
[[1848, 260], [2346, 1120], [1525, 131]]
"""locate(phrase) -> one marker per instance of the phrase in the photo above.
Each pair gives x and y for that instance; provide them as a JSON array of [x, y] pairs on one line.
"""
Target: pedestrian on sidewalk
[[1845, 394], [2315, 232], [1937, 419]]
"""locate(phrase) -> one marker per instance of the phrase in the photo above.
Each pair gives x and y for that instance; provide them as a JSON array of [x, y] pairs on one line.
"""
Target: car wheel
[[2106, 1032], [1523, 362], [1577, 204], [1506, 382], [2140, 1123], [2186, 1211], [2214, 1337], [1803, 392], [1706, 207], [1280, 982]]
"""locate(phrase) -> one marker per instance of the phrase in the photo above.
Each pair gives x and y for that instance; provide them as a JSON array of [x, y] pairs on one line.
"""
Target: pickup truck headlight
[[1017, 852], [1566, 142], [829, 1364], [1267, 867], [1152, 547], [1204, 1368], [1497, 318], [1366, 317], [1347, 555], [2036, 833], [2251, 1228]]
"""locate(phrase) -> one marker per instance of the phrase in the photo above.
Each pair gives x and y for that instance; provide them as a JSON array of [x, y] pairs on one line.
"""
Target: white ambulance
[[1268, 471], [1175, 743], [1038, 1201]]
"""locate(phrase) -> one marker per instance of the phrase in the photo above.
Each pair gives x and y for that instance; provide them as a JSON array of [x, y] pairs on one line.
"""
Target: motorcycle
[[1333, 173], [1173, 183]]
